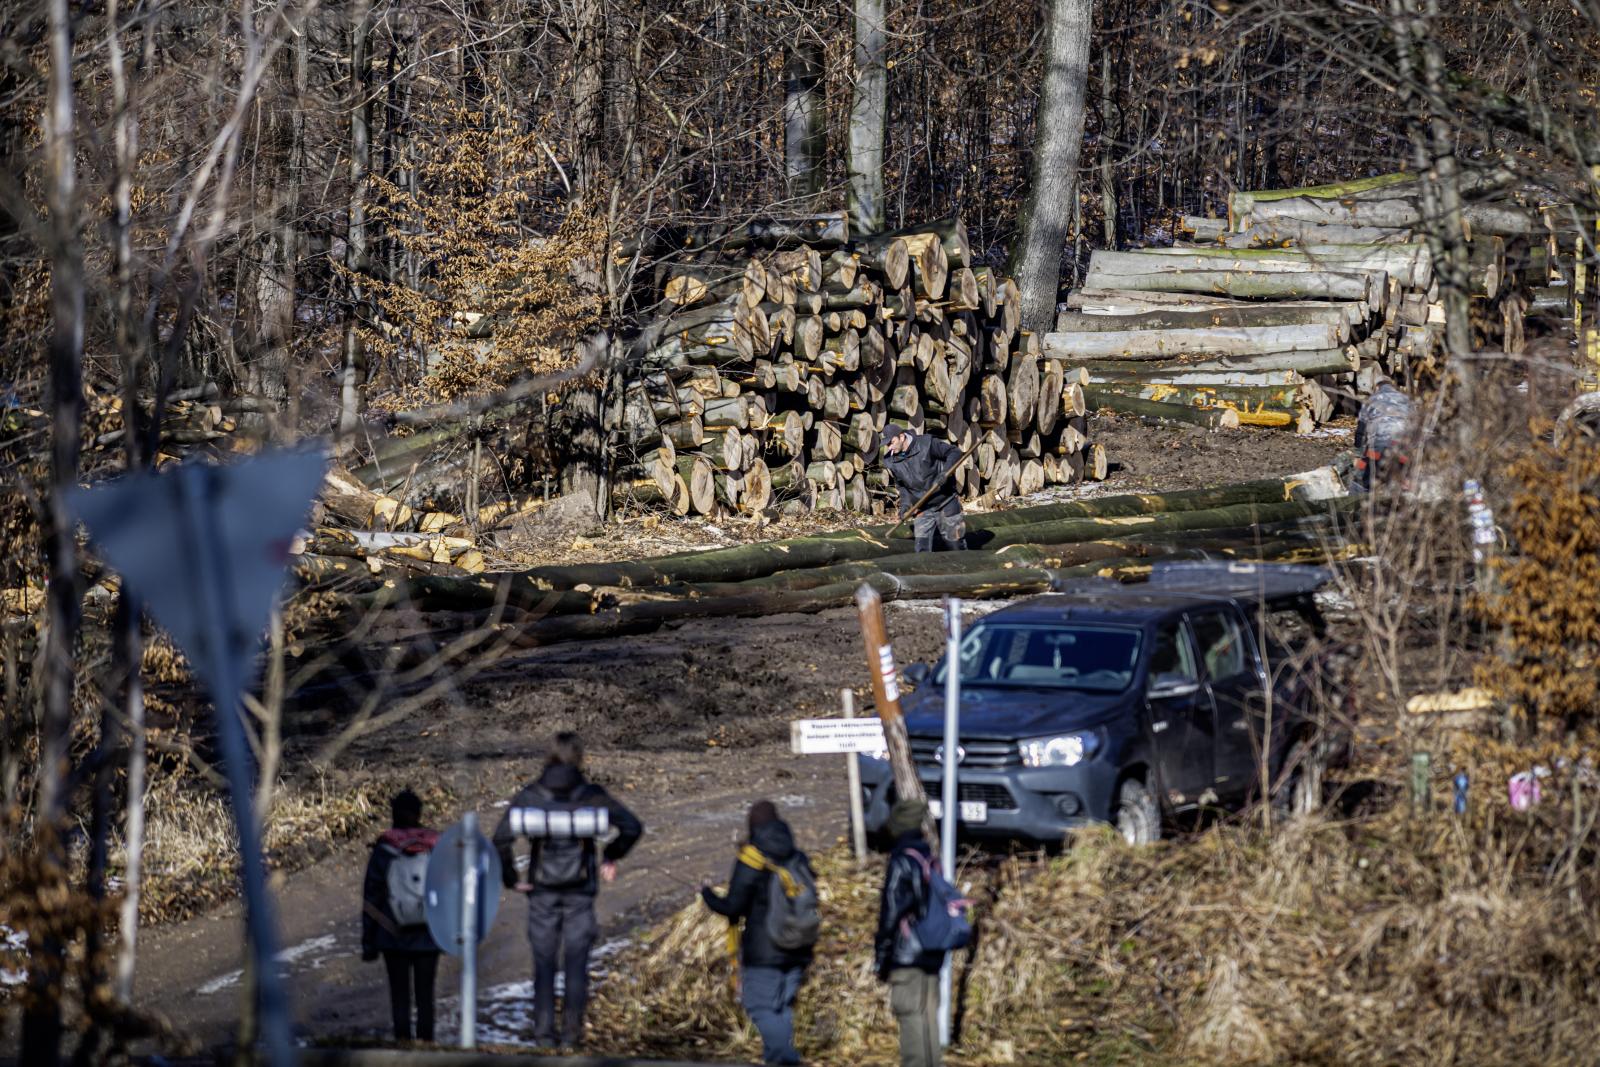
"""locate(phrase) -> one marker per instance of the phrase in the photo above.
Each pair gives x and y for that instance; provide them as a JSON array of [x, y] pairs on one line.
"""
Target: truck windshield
[[1095, 658]]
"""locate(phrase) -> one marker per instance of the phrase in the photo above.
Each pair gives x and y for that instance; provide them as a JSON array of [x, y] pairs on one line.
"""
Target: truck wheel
[[1300, 794], [1137, 818]]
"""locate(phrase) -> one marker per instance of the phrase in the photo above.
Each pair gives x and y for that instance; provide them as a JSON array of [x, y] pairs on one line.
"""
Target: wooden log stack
[[1299, 298], [784, 348]]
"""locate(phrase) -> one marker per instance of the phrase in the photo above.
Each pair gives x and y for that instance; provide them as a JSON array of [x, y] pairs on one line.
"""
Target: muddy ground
[[686, 725]]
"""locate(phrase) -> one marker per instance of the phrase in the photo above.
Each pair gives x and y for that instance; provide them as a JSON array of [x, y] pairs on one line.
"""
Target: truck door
[[1229, 668], [1180, 717]]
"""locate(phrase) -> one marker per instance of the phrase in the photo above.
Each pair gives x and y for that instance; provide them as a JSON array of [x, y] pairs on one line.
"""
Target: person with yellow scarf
[[771, 976]]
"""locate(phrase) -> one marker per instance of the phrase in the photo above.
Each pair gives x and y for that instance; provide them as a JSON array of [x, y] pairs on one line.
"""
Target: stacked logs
[[1299, 297], [1255, 337], [784, 348]]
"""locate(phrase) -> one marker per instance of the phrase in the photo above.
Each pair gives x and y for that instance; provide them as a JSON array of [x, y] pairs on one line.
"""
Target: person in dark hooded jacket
[[911, 971], [409, 954], [771, 976], [920, 463], [561, 878]]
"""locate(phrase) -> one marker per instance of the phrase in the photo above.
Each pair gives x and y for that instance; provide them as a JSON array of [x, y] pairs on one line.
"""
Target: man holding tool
[[922, 468]]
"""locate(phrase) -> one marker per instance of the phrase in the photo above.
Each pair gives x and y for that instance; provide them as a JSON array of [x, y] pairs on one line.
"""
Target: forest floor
[[687, 726]]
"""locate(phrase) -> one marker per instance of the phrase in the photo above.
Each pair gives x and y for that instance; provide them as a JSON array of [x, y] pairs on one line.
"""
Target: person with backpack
[[393, 923], [774, 891], [561, 875], [920, 919]]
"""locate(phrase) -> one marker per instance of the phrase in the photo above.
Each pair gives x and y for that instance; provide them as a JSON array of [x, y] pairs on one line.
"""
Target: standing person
[[393, 922], [561, 877], [919, 463], [779, 934], [911, 971]]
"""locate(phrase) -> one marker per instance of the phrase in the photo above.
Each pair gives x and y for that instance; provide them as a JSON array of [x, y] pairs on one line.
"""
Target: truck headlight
[[1063, 750]]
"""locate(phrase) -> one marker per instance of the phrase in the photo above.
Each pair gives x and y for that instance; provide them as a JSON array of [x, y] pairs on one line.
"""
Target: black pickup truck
[[1129, 704]]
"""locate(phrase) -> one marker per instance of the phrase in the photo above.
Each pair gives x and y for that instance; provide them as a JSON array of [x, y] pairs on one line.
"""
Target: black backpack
[[561, 862]]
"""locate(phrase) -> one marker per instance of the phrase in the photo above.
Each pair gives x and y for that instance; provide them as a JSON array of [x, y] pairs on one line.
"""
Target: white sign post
[[851, 736], [951, 807]]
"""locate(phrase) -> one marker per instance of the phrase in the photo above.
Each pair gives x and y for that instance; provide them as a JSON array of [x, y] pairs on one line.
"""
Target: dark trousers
[[410, 971], [768, 994], [562, 930], [941, 530]]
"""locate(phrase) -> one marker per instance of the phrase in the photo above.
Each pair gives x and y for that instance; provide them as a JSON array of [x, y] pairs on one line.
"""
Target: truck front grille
[[978, 753]]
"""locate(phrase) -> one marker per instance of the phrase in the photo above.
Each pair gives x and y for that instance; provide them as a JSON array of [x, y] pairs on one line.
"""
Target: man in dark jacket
[[1383, 434], [911, 971], [561, 877], [393, 883], [918, 463], [772, 976]]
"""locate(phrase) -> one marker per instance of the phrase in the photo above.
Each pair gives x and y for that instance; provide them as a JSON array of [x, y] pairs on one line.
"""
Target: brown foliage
[[1545, 597]]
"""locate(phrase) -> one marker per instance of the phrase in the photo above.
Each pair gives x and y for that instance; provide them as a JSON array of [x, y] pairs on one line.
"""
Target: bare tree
[[1036, 258], [41, 1034], [868, 114], [805, 135]]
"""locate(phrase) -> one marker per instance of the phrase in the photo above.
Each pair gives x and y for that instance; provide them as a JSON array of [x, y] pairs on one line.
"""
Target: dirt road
[[687, 726]]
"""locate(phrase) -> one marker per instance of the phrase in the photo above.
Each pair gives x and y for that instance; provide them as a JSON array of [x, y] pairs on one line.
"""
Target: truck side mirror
[[916, 673], [1171, 686]]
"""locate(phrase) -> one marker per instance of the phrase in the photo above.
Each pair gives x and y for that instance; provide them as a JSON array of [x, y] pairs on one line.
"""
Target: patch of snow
[[292, 954], [793, 800], [505, 1011], [12, 941]]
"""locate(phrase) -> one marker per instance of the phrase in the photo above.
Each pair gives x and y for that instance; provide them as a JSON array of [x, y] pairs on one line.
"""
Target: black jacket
[[904, 900], [917, 469], [568, 783], [749, 899], [379, 931]]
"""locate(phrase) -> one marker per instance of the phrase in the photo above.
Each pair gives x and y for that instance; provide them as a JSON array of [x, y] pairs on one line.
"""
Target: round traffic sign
[[443, 888]]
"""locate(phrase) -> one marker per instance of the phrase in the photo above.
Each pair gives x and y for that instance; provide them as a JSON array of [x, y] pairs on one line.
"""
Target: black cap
[[891, 431]]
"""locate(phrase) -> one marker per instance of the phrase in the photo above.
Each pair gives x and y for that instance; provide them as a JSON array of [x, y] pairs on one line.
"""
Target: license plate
[[967, 811]]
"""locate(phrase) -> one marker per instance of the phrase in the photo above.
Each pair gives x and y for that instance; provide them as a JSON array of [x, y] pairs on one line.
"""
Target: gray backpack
[[793, 921], [408, 874]]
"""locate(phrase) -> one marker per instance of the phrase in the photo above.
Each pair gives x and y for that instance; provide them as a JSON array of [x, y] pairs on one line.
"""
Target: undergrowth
[[1390, 939]]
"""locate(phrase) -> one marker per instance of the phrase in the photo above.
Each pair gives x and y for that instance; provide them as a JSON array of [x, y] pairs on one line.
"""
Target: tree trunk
[[804, 118], [588, 95], [1209, 418], [868, 114], [354, 371], [41, 1025], [1036, 261]]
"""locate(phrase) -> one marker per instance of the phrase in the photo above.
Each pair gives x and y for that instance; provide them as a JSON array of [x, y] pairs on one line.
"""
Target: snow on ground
[[291, 955], [505, 1011]]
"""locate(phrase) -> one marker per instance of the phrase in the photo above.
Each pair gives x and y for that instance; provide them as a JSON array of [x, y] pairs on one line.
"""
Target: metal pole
[[469, 930], [852, 770], [195, 488], [952, 803]]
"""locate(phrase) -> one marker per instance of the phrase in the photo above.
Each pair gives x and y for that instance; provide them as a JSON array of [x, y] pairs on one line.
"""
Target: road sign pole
[[852, 766], [952, 804], [469, 930], [212, 599]]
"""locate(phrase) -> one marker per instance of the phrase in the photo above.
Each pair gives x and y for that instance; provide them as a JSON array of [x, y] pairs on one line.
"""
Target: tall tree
[[805, 133], [353, 374], [41, 1031], [1036, 257], [588, 94], [868, 114]]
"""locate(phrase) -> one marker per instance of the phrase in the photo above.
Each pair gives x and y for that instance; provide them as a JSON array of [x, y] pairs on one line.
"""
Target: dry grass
[[191, 851], [1378, 941]]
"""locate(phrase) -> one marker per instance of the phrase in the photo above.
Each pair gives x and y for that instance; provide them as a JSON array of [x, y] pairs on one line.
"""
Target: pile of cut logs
[[1300, 298], [784, 348]]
